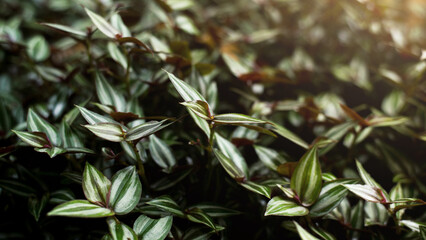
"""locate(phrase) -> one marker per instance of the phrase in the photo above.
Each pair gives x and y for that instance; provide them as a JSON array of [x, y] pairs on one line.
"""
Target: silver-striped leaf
[[161, 153], [37, 124], [107, 95], [64, 28], [280, 207], [34, 139], [108, 131], [80, 208], [95, 185], [38, 48], [126, 190], [117, 55], [120, 231], [232, 152], [306, 180], [145, 129], [93, 118], [304, 235], [152, 229], [52, 152], [271, 158], [167, 204], [200, 108], [103, 25], [257, 188], [365, 176], [198, 216], [230, 167], [235, 118], [366, 192]]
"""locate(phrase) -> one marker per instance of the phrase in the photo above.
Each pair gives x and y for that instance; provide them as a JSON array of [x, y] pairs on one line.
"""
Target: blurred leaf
[[269, 157], [65, 29], [170, 180], [107, 94], [120, 231], [235, 118], [152, 229], [117, 55], [322, 233], [38, 48], [117, 23], [216, 211], [36, 206], [103, 25], [16, 187], [80, 208], [284, 132], [108, 131], [95, 185], [125, 190], [280, 207], [198, 216]]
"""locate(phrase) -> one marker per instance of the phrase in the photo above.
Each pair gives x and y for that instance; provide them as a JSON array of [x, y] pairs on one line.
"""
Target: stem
[[141, 168], [210, 147]]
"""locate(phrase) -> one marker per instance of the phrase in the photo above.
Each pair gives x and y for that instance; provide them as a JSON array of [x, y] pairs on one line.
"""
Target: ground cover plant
[[183, 119]]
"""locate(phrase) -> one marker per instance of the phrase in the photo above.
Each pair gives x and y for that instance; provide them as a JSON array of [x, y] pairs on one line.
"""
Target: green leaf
[[200, 108], [198, 216], [271, 158], [152, 229], [38, 48], [145, 129], [170, 180], [117, 55], [397, 193], [36, 205], [120, 231], [281, 207], [287, 191], [422, 232], [330, 197], [216, 211], [161, 153], [257, 188], [52, 152], [322, 233], [387, 121], [64, 28], [17, 187], [93, 118], [376, 214], [357, 218], [366, 192], [236, 118], [118, 24], [370, 181], [126, 190], [108, 131], [306, 180], [336, 133], [304, 235], [61, 196], [35, 139], [107, 95], [103, 25], [284, 132], [230, 167], [80, 208], [232, 152], [69, 138], [37, 124], [79, 150], [95, 185], [167, 204]]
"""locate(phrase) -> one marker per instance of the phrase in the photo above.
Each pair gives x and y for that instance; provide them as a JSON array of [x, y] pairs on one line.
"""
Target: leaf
[[376, 214], [37, 124], [216, 211], [17, 187], [52, 152], [35, 139], [231, 151], [80, 208], [200, 108], [357, 218], [387, 121], [279, 207], [120, 231], [95, 185], [322, 233], [370, 181], [38, 48], [161, 153], [284, 132], [167, 204], [107, 95], [108, 131], [287, 191], [269, 157], [306, 180], [126, 190], [304, 235], [93, 118], [117, 55], [103, 25], [236, 118], [36, 205], [366, 192], [118, 24], [230, 167], [257, 188], [152, 229], [330, 197], [69, 138], [198, 216], [145, 129], [61, 196], [170, 180], [336, 133], [353, 115], [64, 28]]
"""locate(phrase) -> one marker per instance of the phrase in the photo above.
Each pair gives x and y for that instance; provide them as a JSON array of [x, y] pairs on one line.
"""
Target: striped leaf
[[365, 176], [17, 187], [108, 131], [79, 150], [189, 93], [152, 229], [328, 177], [80, 208], [145, 129], [117, 55], [216, 211], [366, 192], [357, 218], [271, 158], [304, 235], [280, 207], [38, 48], [64, 28], [34, 139], [336, 133], [52, 152], [257, 188], [61, 196], [232, 152], [93, 118], [230, 167], [198, 216], [330, 197], [126, 190], [107, 95], [120, 231], [69, 138], [287, 191], [397, 192], [306, 179], [322, 233], [37, 124], [36, 205], [376, 214], [170, 180], [161, 153], [118, 23], [167, 204], [284, 132], [200, 108], [95, 185], [103, 25], [236, 118]]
